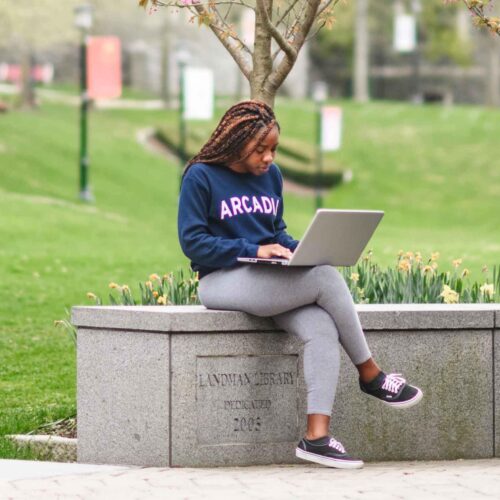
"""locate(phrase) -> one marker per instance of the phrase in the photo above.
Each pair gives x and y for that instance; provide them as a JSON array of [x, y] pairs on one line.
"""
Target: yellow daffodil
[[155, 294], [400, 253], [153, 277], [465, 273], [125, 288], [409, 255], [488, 289], [434, 265], [149, 285], [355, 277], [428, 269], [434, 256], [114, 285], [404, 265], [91, 296], [418, 256], [162, 300], [456, 262], [449, 296]]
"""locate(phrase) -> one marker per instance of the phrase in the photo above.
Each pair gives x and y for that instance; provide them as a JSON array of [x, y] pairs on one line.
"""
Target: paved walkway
[[462, 479]]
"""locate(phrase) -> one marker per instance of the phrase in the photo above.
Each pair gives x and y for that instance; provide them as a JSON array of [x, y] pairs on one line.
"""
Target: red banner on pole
[[104, 75]]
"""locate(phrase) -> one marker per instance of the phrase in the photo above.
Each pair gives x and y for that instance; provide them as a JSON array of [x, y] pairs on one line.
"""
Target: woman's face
[[260, 160]]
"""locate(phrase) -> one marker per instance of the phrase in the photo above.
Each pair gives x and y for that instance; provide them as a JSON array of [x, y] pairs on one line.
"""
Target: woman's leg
[[316, 329], [273, 290], [284, 294]]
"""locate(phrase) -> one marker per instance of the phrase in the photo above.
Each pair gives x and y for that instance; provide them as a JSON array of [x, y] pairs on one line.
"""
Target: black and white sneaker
[[392, 390], [326, 451]]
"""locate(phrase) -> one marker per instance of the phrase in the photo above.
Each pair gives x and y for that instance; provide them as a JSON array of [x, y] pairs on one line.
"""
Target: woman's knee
[[329, 275], [327, 270], [311, 323]]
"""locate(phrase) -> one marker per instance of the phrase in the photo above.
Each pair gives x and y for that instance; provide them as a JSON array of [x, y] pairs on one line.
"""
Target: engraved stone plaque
[[246, 399]]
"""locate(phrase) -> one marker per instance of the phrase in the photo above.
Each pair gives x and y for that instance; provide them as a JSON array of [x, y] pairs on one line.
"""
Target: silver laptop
[[334, 237]]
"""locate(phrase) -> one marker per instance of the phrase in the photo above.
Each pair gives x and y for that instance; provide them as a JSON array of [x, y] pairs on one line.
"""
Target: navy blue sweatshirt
[[224, 215]]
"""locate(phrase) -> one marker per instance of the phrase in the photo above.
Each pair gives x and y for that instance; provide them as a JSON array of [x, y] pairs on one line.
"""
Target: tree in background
[[334, 52], [281, 29], [28, 26], [479, 10]]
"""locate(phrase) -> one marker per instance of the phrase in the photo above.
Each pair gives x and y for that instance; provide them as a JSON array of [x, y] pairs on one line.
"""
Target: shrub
[[413, 281]]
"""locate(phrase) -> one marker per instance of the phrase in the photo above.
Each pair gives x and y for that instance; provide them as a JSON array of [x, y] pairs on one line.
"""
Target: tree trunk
[[257, 91], [494, 73], [361, 52], [27, 95], [165, 91], [262, 62]]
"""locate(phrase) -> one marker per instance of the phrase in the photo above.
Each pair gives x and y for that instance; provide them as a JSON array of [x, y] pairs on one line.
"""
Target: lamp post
[[182, 56], [319, 95], [83, 21], [416, 7]]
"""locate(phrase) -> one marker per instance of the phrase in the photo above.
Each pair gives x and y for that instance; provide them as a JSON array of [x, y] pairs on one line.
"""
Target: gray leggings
[[313, 303]]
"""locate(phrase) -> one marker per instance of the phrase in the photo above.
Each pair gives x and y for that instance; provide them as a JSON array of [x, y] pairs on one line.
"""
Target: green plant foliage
[[409, 281], [413, 281], [175, 288]]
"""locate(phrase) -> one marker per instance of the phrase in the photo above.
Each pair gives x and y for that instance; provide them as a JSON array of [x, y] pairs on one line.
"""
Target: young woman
[[230, 206]]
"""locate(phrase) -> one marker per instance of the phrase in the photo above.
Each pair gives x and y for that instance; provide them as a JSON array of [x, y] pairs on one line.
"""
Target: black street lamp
[[319, 95], [182, 56], [416, 7], [83, 21]]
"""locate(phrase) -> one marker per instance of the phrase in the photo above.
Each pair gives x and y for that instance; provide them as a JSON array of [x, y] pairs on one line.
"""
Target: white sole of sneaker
[[329, 462], [406, 404]]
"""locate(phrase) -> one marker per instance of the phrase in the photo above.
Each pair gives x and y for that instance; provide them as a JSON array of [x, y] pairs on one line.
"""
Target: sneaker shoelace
[[393, 382], [336, 444]]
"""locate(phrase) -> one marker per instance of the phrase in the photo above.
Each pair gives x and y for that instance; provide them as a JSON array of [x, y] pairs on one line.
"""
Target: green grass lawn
[[433, 170]]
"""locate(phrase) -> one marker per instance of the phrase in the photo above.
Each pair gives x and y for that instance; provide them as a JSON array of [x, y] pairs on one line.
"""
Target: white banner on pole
[[198, 93], [405, 33], [331, 128]]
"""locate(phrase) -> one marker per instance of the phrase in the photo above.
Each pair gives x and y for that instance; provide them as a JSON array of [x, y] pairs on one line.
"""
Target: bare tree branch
[[292, 5], [282, 30], [334, 2], [291, 31], [278, 75], [477, 9], [322, 8], [228, 42], [285, 46]]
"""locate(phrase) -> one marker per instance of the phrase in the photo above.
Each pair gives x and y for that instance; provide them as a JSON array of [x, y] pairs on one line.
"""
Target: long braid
[[240, 124]]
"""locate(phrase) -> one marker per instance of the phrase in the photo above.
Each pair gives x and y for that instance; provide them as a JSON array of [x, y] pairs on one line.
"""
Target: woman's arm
[[282, 237], [196, 241]]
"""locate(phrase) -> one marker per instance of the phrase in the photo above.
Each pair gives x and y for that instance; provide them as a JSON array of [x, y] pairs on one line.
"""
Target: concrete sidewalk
[[462, 479]]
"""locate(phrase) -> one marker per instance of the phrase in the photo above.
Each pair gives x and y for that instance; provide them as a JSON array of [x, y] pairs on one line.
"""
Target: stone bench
[[187, 386]]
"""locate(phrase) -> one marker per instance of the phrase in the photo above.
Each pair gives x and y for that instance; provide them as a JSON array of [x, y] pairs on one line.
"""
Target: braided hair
[[240, 124]]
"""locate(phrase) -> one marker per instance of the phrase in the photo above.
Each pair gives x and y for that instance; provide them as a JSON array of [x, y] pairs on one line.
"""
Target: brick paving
[[462, 479]]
